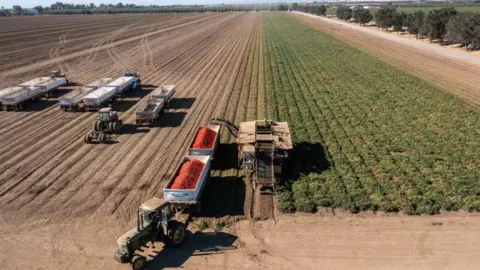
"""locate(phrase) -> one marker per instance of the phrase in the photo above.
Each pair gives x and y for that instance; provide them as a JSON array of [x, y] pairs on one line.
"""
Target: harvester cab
[[155, 221]]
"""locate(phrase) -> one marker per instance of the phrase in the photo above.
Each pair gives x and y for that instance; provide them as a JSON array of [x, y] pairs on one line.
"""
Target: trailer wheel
[[138, 262], [175, 234]]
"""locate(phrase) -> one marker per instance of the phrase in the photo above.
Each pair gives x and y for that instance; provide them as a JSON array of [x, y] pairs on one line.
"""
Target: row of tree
[[319, 10], [444, 24], [62, 8]]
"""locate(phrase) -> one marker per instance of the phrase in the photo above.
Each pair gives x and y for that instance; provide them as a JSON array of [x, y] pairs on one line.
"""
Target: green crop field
[[367, 135]]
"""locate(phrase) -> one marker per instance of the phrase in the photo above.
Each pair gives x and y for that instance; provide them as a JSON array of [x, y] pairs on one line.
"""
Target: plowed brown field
[[51, 180], [63, 202]]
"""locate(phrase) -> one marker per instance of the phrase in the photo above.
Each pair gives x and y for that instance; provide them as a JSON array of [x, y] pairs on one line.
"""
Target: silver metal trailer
[[8, 91], [205, 151], [71, 101], [148, 111], [33, 82], [164, 92], [122, 84], [96, 99], [187, 197], [51, 85], [98, 83], [14, 101]]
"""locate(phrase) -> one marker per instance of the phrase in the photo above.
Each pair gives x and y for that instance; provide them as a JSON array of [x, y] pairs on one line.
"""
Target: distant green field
[[426, 9]]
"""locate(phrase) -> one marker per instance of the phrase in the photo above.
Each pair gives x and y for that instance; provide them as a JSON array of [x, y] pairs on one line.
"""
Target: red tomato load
[[205, 139], [188, 176]]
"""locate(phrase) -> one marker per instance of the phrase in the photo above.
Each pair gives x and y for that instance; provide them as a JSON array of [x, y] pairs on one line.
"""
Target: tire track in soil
[[17, 58], [39, 65], [205, 100], [15, 131], [89, 124]]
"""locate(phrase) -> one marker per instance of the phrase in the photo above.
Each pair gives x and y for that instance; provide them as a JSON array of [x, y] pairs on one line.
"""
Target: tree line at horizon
[[446, 25], [63, 8]]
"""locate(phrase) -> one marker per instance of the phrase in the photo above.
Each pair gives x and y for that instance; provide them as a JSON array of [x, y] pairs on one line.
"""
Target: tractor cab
[[153, 210], [107, 115], [155, 221]]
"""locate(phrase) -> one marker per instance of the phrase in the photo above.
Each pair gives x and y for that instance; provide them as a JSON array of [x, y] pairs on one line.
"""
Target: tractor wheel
[[138, 262], [87, 138], [175, 234], [110, 127], [102, 138], [116, 127], [99, 125], [95, 126]]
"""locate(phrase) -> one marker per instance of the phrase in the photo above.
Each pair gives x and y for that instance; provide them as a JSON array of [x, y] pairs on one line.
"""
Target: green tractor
[[155, 221], [107, 121]]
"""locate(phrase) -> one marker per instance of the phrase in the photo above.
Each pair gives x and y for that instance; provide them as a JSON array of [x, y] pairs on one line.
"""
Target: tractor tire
[[176, 234], [116, 126], [138, 262], [87, 138], [110, 127], [95, 126], [102, 138], [99, 125]]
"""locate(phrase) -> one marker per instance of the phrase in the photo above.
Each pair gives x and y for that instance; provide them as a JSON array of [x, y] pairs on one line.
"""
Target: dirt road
[[294, 242], [459, 77]]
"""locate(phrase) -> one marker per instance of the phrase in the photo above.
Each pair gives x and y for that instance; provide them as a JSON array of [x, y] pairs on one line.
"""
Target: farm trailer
[[148, 111], [164, 92], [33, 90], [72, 100], [205, 151], [8, 91], [187, 199], [158, 100], [108, 93]]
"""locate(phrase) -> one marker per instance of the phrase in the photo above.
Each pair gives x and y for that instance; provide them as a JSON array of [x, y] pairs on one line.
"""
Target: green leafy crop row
[[367, 136]]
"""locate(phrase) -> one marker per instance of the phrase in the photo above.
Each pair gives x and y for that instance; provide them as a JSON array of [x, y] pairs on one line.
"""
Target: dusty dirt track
[[456, 76], [63, 202]]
